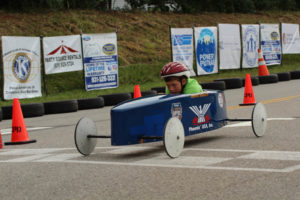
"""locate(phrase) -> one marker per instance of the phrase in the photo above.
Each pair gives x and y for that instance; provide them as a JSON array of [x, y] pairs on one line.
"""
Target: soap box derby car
[[165, 117]]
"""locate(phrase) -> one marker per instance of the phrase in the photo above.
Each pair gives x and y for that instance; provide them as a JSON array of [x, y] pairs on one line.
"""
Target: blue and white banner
[[290, 38], [100, 61], [270, 43], [250, 36], [182, 47], [230, 46], [62, 54], [206, 48], [21, 67]]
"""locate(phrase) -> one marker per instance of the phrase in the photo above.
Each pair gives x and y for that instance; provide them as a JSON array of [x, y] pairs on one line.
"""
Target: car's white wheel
[[85, 127], [259, 120], [173, 137]]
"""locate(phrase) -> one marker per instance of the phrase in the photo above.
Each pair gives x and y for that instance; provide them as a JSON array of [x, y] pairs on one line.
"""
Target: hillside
[[142, 37], [143, 44]]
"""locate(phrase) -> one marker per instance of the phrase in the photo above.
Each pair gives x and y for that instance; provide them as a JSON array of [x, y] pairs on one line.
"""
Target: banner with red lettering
[[62, 54]]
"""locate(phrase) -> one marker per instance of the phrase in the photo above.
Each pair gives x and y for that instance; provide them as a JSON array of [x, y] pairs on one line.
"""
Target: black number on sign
[[248, 95], [16, 129]]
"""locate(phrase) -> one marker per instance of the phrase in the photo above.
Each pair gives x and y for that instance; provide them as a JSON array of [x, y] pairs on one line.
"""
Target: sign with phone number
[[101, 81], [100, 61]]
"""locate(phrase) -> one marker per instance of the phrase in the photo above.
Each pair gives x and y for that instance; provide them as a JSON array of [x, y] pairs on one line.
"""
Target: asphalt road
[[229, 163]]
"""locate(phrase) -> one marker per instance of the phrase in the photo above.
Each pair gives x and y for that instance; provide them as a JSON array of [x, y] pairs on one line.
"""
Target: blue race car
[[165, 117]]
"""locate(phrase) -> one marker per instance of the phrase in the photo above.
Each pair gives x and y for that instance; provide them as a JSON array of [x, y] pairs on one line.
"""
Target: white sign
[[182, 47], [270, 43], [62, 54], [290, 39], [21, 67], [230, 46], [206, 50], [100, 60], [250, 38]]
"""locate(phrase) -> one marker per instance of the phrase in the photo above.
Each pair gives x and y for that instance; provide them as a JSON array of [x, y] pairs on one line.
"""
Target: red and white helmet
[[174, 69]]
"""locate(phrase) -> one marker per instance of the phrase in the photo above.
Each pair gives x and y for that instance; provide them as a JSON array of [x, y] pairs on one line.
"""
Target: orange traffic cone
[[137, 92], [262, 67], [1, 144], [19, 133], [249, 98]]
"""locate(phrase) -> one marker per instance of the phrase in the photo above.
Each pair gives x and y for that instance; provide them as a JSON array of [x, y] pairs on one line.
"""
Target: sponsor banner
[[21, 67], [250, 38], [270, 43], [230, 46], [100, 61], [62, 54], [290, 39], [206, 50], [182, 47]]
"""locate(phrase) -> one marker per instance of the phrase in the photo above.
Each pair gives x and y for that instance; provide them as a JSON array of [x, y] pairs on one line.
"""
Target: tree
[[135, 4]]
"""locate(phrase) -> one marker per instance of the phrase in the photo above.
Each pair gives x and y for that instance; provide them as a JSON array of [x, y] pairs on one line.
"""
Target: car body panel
[[140, 118]]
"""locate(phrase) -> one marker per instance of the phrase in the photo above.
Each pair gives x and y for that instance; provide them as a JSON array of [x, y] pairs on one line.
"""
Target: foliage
[[30, 5], [185, 6], [136, 4], [226, 6]]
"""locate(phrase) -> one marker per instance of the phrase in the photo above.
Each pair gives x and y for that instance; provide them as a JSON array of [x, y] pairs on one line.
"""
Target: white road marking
[[273, 156], [281, 119], [243, 124], [240, 150], [240, 124], [183, 160], [121, 151], [8, 130], [59, 155], [177, 166], [23, 152], [293, 168], [27, 158]]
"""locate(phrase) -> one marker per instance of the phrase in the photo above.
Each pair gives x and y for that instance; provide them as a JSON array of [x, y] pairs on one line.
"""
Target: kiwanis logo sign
[[21, 67]]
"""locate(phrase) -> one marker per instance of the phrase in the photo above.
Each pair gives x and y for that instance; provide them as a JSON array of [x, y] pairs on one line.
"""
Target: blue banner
[[182, 47], [270, 43], [100, 61], [206, 50]]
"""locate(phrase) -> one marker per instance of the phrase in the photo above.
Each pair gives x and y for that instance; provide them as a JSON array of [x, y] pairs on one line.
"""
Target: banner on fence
[[230, 46], [290, 38], [250, 39], [62, 54], [21, 67], [182, 47], [206, 50], [270, 43], [100, 60]]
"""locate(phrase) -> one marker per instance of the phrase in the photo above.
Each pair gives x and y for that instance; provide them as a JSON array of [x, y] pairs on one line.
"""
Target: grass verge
[[71, 85]]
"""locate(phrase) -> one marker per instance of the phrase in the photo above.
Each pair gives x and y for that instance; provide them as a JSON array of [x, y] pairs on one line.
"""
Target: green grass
[[70, 85]]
